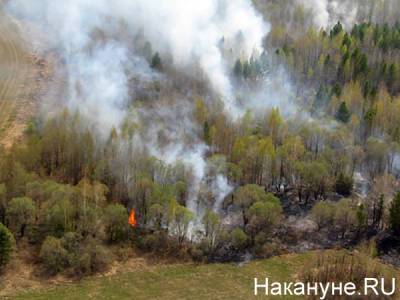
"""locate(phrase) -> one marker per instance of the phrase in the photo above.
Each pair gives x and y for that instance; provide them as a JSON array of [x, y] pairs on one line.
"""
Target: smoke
[[187, 31], [221, 188], [327, 13], [106, 72]]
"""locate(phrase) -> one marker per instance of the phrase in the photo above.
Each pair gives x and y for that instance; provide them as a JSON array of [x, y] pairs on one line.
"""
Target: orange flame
[[132, 219]]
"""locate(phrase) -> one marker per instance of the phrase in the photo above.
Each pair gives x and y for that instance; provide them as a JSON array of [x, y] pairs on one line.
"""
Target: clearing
[[181, 281]]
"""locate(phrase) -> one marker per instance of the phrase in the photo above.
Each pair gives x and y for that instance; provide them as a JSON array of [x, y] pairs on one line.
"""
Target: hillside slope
[[22, 74]]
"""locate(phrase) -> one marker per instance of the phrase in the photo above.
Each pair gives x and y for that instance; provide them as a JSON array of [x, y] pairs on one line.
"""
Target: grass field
[[213, 281]]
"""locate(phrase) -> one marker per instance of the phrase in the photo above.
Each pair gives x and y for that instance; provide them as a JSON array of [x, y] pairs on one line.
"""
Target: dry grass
[[182, 281], [22, 77]]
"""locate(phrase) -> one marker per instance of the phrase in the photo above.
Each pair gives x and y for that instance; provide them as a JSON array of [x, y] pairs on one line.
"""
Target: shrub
[[100, 257], [238, 238], [394, 214], [156, 241], [6, 245], [345, 216], [115, 222], [322, 213], [344, 185], [53, 255], [342, 266]]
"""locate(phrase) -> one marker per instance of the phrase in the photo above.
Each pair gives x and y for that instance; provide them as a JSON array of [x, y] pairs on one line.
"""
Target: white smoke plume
[[189, 31], [94, 39], [327, 13]]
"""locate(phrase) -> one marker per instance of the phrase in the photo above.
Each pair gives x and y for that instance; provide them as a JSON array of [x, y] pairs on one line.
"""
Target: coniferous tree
[[156, 62], [238, 68], [343, 114], [6, 245], [394, 214]]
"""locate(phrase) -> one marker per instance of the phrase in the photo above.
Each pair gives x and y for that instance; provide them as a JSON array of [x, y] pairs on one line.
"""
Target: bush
[[394, 214], [6, 245], [344, 185], [342, 266], [115, 221], [323, 213], [238, 238], [53, 255], [100, 258], [156, 241], [81, 257], [268, 249]]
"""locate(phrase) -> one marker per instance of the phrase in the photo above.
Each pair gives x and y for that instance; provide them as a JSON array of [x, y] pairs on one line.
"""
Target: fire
[[132, 219]]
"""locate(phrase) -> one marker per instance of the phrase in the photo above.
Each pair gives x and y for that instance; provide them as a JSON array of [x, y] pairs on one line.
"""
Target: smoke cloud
[[327, 13], [106, 72]]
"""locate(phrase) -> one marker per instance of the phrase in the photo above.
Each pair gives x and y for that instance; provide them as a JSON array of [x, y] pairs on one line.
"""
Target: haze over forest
[[206, 131]]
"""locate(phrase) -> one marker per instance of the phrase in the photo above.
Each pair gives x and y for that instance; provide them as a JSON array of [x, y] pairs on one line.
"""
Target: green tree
[[246, 196], [20, 214], [323, 213], [263, 216], [180, 218], [53, 255], [58, 216], [344, 185], [394, 214], [345, 216], [6, 245], [238, 238], [3, 202], [156, 62], [343, 113], [211, 222], [361, 216], [115, 222]]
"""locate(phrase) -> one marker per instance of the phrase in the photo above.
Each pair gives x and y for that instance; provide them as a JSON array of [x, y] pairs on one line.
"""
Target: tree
[[115, 222], [361, 216], [58, 216], [343, 113], [394, 214], [20, 214], [3, 202], [263, 216], [180, 218], [344, 185], [239, 238], [311, 179], [211, 222], [6, 245], [345, 216], [246, 196], [238, 69], [53, 255], [323, 213], [156, 62], [321, 98]]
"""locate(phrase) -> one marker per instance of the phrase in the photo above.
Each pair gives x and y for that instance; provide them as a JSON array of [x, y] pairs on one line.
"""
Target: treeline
[[69, 194]]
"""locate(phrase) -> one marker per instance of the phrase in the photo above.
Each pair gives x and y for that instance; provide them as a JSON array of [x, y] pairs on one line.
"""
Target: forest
[[318, 171]]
